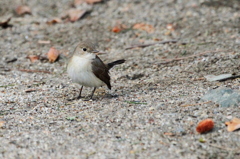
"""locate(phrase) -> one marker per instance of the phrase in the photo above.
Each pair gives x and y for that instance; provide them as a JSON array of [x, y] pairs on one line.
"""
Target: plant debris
[[5, 24], [145, 27], [54, 21], [53, 54], [233, 125], [205, 126], [75, 14], [21, 10]]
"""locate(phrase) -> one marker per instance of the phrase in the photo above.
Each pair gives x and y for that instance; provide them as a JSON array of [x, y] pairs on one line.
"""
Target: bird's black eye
[[84, 49]]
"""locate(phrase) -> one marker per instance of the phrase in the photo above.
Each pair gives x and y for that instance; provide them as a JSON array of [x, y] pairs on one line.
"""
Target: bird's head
[[86, 47]]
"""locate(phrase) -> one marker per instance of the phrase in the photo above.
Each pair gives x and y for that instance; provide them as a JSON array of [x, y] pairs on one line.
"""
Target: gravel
[[155, 102]]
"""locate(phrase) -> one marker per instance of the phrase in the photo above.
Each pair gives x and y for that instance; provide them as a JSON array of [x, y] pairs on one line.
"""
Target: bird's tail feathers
[[118, 62]]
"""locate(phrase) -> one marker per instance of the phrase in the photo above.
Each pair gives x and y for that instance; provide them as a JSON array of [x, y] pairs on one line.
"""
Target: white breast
[[80, 71]]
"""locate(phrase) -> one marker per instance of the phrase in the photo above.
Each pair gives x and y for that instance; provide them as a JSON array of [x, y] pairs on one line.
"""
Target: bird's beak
[[98, 53]]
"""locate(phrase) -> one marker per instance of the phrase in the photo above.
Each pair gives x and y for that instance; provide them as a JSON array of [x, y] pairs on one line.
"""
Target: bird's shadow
[[97, 97]]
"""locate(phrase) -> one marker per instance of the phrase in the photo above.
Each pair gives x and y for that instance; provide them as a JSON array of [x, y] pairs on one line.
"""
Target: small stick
[[32, 90], [32, 71], [224, 148], [187, 105], [146, 45]]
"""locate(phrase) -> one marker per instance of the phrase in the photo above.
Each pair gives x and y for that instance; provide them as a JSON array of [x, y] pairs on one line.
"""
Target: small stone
[[218, 78], [225, 97], [151, 108]]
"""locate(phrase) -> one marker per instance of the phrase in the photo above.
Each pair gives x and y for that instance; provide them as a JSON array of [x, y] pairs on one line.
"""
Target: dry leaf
[[2, 123], [54, 21], [168, 134], [5, 24], [20, 10], [33, 58], [205, 126], [233, 125], [116, 29], [53, 54], [75, 14], [156, 39], [146, 27]]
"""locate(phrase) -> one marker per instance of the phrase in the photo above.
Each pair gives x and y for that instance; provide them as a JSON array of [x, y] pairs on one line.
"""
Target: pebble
[[225, 97], [218, 78]]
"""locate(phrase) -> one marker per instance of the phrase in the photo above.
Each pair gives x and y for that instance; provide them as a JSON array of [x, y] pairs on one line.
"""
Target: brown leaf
[[116, 29], [33, 58], [2, 123], [5, 24], [233, 125], [168, 134], [21, 10], [75, 14], [146, 27], [53, 54], [54, 21], [205, 126]]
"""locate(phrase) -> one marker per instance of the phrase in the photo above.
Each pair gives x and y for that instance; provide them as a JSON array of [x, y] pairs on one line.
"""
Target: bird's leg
[[93, 92], [79, 96]]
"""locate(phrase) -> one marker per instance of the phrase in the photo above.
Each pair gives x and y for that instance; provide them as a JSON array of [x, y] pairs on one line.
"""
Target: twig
[[146, 45], [32, 71], [191, 56], [187, 105], [5, 86], [197, 79], [32, 90], [224, 148], [44, 41]]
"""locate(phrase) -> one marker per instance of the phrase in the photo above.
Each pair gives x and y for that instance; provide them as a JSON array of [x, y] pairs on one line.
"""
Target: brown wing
[[101, 71]]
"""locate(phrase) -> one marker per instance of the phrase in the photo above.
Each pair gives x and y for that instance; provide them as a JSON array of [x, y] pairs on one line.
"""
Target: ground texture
[[155, 102]]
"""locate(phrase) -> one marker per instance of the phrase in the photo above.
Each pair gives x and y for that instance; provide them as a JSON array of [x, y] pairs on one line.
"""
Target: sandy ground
[[154, 105]]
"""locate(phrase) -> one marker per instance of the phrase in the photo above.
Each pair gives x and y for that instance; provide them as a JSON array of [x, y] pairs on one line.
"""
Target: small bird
[[87, 69]]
